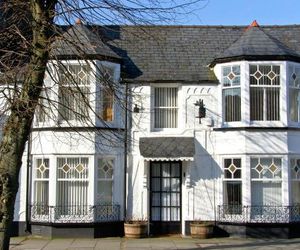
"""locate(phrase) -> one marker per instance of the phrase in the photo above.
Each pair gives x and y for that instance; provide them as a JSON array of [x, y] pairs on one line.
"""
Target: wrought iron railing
[[74, 213], [258, 214]]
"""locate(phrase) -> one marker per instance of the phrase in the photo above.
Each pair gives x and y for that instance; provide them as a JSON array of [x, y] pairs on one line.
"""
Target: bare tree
[[28, 30]]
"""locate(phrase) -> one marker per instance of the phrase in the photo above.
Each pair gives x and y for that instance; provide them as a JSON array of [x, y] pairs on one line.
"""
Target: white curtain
[[72, 185]]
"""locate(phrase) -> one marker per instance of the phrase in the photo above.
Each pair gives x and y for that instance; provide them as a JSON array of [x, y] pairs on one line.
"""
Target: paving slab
[[157, 243]]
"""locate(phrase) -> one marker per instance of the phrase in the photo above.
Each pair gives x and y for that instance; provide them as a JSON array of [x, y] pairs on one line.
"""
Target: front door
[[165, 197]]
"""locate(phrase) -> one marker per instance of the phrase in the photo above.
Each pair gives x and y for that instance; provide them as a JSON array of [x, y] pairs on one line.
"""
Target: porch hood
[[167, 148]]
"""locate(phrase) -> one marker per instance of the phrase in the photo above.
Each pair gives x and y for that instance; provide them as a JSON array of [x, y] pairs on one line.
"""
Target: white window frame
[[118, 95], [267, 180], [113, 158], [282, 97], [232, 179], [86, 180], [85, 100], [293, 162], [179, 105], [291, 68], [42, 179], [231, 87], [103, 88], [40, 211]]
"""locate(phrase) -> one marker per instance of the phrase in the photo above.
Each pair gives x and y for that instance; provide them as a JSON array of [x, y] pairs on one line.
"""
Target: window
[[165, 107], [107, 108], [295, 178], [264, 92], [294, 89], [231, 93], [232, 186], [41, 186], [266, 181], [105, 169], [43, 107], [73, 95], [72, 186]]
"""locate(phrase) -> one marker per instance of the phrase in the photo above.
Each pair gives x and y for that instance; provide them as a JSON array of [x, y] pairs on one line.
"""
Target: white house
[[213, 133]]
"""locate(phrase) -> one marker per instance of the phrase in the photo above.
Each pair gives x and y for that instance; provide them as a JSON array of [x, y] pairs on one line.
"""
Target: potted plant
[[136, 228], [201, 229]]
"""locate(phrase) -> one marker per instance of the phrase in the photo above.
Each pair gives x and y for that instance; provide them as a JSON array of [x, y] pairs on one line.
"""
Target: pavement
[[172, 242]]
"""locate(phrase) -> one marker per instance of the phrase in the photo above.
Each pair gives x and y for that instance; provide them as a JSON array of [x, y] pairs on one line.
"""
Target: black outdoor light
[[202, 109], [136, 109]]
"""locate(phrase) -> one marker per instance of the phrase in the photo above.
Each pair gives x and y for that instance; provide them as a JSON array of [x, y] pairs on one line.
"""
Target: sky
[[243, 12]]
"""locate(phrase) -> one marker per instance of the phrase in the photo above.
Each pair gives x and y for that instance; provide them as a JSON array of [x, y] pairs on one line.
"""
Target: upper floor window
[[165, 107], [294, 93], [231, 93], [264, 92], [73, 94], [107, 103]]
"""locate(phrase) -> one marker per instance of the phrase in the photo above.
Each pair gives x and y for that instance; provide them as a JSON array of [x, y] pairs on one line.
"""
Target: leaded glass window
[[41, 186], [232, 185], [294, 93], [266, 181], [165, 107], [74, 90], [231, 81], [107, 99], [105, 169], [72, 185], [264, 92], [295, 178]]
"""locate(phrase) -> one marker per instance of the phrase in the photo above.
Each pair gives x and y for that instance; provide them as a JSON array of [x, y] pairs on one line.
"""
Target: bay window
[[264, 92], [165, 107], [231, 91], [232, 186], [73, 93], [294, 93]]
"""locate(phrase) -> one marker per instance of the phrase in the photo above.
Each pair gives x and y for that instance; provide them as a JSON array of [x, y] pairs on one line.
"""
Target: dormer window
[[231, 82], [264, 92]]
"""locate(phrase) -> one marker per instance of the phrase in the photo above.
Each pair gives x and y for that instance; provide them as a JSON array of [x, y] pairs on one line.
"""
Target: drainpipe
[[125, 151], [27, 217]]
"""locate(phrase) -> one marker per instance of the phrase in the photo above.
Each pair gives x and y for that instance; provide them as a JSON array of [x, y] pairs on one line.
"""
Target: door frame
[[165, 224]]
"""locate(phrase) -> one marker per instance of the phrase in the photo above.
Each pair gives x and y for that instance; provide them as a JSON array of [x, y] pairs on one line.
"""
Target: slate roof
[[256, 44], [82, 40], [182, 53], [167, 147]]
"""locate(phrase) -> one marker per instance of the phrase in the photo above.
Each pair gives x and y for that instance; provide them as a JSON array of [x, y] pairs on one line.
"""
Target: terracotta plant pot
[[201, 230], [135, 229]]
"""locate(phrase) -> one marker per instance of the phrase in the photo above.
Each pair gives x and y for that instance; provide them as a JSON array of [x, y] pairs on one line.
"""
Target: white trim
[[168, 158]]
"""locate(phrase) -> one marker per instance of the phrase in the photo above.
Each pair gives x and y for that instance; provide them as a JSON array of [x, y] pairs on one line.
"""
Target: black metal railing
[[74, 213], [258, 214]]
